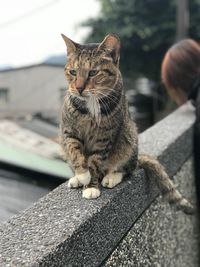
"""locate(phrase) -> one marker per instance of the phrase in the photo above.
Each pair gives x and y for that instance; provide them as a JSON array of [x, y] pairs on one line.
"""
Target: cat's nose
[[80, 89], [80, 84]]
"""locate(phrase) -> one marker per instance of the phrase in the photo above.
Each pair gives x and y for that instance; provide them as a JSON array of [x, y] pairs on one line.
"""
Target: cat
[[98, 138]]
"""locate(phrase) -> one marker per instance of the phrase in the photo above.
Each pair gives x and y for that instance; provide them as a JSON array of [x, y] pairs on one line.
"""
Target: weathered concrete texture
[[162, 236], [63, 229]]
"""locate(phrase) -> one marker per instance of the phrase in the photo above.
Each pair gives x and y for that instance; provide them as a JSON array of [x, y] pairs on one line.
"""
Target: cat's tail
[[156, 171]]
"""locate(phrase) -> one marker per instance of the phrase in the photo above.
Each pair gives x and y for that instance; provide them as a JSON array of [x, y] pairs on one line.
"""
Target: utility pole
[[182, 19]]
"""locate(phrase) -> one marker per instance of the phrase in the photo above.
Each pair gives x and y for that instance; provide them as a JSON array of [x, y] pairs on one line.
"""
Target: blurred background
[[33, 85]]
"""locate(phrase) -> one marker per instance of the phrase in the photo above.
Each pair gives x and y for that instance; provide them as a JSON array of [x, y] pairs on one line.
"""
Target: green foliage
[[194, 8], [146, 29]]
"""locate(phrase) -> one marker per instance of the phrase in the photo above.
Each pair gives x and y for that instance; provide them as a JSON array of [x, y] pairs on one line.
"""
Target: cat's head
[[92, 69]]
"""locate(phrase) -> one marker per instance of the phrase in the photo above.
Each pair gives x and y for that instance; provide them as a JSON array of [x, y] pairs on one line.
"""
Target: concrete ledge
[[162, 236], [62, 229], [170, 140]]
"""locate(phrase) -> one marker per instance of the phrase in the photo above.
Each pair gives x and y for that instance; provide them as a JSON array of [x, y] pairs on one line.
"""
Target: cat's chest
[[88, 129], [89, 133]]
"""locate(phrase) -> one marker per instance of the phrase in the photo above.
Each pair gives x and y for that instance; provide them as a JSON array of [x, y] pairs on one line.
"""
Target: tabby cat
[[98, 138]]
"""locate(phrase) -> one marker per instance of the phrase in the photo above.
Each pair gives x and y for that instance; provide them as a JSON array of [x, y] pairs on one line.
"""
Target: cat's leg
[[112, 179], [92, 190], [115, 176], [73, 150], [96, 168], [120, 164], [79, 180]]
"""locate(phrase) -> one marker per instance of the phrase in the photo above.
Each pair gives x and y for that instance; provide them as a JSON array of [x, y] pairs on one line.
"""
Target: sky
[[30, 30]]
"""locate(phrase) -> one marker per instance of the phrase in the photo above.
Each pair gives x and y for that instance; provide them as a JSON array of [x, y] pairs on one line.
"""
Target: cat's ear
[[111, 44], [71, 45]]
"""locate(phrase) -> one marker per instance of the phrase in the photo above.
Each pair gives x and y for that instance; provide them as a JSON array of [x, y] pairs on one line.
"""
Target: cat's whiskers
[[107, 109], [108, 89], [114, 99], [75, 99]]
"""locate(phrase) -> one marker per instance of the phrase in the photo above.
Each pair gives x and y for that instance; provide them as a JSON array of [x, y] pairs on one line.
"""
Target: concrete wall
[[162, 236], [126, 226], [33, 89]]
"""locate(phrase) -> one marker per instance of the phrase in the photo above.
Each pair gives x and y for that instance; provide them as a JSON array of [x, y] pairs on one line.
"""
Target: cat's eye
[[92, 73], [72, 72]]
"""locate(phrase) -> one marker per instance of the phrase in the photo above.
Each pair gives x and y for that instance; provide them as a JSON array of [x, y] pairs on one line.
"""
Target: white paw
[[79, 180], [84, 178], [74, 182], [112, 179], [91, 192]]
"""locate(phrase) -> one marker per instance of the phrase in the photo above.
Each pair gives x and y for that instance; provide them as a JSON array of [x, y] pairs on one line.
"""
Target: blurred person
[[180, 73]]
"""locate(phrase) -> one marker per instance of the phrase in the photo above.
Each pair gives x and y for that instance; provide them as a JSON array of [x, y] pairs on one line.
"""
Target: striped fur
[[156, 171], [98, 138]]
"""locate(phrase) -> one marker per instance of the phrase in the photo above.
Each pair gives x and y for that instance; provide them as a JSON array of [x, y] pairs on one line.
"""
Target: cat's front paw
[[91, 193], [74, 182], [84, 178], [112, 179], [79, 180]]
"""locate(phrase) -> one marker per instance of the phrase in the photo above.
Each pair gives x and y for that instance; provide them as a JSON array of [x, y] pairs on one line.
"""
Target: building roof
[[28, 160], [40, 126], [32, 66], [28, 150], [28, 140]]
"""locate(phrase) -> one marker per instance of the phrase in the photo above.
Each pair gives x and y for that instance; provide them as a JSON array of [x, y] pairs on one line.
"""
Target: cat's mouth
[[81, 97], [86, 95]]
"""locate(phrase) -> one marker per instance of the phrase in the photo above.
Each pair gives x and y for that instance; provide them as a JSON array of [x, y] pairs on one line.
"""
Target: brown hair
[[180, 67]]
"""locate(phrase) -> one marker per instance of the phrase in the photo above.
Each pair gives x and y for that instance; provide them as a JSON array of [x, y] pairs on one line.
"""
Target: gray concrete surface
[[174, 133], [162, 236], [62, 229]]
